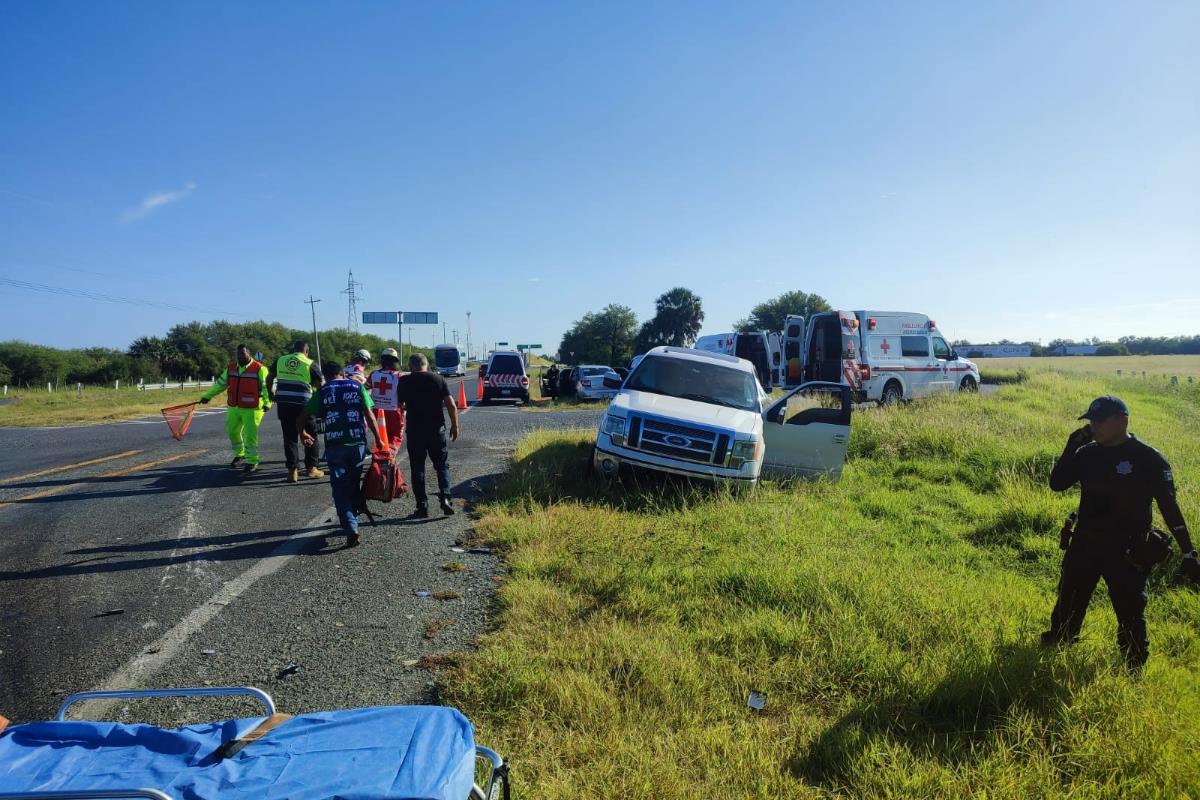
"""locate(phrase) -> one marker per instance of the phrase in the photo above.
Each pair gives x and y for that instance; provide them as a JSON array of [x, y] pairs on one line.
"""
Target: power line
[[109, 298]]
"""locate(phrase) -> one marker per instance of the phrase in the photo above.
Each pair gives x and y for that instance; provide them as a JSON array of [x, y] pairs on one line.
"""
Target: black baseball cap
[[1104, 407]]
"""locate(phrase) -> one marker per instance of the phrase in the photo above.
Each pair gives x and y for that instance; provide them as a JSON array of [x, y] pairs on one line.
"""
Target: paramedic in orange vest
[[246, 386]]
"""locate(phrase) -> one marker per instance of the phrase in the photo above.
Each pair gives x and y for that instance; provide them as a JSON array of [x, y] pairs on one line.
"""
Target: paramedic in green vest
[[294, 377], [247, 395]]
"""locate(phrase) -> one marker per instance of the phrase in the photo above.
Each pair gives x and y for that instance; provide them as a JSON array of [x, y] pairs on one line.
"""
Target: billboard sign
[[381, 317]]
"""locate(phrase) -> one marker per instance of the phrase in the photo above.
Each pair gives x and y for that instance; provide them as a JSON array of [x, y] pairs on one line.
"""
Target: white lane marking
[[190, 529], [158, 654]]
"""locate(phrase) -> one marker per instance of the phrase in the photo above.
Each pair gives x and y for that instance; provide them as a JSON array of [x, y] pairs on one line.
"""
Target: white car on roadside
[[590, 383], [702, 414]]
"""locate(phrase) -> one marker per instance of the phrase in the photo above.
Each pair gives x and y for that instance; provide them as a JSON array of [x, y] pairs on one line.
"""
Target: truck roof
[[692, 354]]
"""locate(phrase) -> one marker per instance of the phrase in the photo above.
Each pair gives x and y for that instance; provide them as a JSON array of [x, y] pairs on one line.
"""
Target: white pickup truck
[[705, 415]]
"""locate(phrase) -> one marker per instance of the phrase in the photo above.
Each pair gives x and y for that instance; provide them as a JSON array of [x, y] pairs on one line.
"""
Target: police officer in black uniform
[[1118, 477]]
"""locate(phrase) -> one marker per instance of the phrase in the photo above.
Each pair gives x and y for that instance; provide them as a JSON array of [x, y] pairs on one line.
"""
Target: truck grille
[[678, 441]]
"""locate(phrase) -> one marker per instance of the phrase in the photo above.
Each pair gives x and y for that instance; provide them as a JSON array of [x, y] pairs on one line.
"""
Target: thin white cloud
[[534, 280], [153, 202]]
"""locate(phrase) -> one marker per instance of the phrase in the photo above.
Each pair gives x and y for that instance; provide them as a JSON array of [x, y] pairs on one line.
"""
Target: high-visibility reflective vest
[[293, 378], [245, 389]]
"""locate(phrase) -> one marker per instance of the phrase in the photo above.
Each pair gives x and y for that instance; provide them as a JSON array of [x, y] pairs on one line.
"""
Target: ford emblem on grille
[[677, 441]]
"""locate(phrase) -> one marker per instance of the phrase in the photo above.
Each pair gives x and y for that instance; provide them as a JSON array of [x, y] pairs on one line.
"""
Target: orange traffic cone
[[462, 395], [479, 388]]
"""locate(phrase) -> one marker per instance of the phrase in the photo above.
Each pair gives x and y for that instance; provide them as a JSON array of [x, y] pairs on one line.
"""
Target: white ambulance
[[760, 348], [883, 356]]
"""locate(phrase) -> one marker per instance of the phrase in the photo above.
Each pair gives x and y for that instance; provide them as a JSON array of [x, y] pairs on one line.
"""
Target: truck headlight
[[743, 451], [614, 426]]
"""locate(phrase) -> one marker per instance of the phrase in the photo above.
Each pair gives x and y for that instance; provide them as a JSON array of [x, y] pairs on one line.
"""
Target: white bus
[[449, 360]]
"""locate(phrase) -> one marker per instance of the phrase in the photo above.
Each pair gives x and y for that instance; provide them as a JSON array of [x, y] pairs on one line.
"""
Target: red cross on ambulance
[[885, 347]]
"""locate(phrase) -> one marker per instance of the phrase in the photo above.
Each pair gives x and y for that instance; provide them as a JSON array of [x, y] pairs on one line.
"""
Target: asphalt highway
[[130, 559]]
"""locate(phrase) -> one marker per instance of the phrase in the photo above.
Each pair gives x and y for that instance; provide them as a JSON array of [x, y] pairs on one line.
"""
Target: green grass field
[[890, 618], [94, 404], [1156, 368]]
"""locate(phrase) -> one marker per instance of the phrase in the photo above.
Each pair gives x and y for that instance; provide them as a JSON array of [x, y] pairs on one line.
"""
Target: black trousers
[[289, 413], [1083, 566], [436, 446]]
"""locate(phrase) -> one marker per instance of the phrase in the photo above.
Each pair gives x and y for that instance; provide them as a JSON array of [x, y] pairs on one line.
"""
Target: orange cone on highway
[[462, 395], [479, 388]]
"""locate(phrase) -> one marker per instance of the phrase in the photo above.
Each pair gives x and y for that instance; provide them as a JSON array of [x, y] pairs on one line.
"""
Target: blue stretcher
[[387, 752]]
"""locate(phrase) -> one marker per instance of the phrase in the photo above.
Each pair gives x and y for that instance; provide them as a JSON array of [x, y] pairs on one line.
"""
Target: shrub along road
[[125, 555]]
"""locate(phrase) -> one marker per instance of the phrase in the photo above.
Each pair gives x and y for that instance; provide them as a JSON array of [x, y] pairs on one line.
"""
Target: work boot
[[421, 512], [353, 539], [447, 508], [293, 475], [314, 472], [238, 461], [249, 468]]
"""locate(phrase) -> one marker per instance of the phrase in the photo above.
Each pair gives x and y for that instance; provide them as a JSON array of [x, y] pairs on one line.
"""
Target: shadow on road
[[164, 480], [233, 547]]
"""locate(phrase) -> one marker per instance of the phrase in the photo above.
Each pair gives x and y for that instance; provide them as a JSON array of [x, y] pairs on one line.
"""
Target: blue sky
[[1020, 170]]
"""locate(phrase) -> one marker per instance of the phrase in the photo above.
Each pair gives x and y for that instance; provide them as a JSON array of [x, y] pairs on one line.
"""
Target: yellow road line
[[117, 474], [65, 467]]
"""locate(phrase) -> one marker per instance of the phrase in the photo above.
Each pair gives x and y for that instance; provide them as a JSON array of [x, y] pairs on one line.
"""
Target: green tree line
[[612, 335], [198, 350]]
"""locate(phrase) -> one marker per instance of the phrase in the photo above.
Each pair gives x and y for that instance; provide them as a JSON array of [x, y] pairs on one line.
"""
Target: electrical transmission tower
[[352, 287]]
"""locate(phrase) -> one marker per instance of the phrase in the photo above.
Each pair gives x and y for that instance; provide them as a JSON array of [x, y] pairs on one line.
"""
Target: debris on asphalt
[[481, 550], [112, 612], [290, 669], [448, 594], [435, 627], [421, 593], [339, 624], [208, 652], [457, 550], [438, 661], [454, 566], [757, 700], [410, 662]]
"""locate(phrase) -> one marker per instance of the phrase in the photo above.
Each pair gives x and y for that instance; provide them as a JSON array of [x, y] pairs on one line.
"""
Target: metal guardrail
[[149, 387]]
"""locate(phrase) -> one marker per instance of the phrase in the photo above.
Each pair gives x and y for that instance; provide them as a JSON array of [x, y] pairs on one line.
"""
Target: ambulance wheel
[[968, 384], [892, 394]]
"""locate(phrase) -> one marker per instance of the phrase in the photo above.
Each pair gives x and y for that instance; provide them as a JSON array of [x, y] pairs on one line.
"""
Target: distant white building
[[1074, 350], [996, 350]]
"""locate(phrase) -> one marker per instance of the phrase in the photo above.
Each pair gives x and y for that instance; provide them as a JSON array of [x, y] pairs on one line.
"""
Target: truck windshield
[[696, 380], [445, 357]]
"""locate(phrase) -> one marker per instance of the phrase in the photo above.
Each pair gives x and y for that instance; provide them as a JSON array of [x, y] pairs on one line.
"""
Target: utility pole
[[316, 339], [444, 331], [468, 336]]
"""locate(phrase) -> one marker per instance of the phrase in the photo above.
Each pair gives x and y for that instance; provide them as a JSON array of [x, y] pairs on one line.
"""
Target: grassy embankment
[[95, 404], [1158, 369], [891, 619]]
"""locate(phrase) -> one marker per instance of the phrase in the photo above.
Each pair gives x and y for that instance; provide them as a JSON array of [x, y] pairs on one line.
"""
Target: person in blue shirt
[[345, 406]]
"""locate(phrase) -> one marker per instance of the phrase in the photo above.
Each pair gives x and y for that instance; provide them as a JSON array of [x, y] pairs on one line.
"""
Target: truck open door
[[793, 351], [806, 432]]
